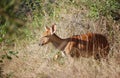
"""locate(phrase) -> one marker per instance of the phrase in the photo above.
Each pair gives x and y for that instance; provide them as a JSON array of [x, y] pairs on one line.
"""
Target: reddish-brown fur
[[86, 45]]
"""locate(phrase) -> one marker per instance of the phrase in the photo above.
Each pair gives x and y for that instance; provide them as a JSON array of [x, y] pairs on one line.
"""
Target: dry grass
[[40, 62], [36, 62]]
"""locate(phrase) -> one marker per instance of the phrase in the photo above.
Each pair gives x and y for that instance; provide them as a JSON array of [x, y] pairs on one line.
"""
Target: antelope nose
[[40, 44]]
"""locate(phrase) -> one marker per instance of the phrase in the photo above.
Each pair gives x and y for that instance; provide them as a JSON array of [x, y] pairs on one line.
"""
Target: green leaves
[[1, 39], [99, 8], [8, 55], [13, 53]]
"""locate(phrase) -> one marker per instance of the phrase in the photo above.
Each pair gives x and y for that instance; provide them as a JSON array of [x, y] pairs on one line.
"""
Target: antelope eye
[[45, 36]]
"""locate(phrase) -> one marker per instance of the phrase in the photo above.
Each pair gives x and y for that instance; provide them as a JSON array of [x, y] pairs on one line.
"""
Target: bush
[[100, 8]]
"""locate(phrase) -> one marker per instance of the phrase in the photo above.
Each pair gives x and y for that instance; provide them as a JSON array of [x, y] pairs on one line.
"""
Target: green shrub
[[100, 8]]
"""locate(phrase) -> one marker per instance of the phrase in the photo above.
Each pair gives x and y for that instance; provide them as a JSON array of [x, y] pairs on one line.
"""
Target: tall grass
[[73, 17]]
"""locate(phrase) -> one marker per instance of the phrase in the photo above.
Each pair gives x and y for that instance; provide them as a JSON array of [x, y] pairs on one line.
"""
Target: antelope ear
[[47, 28], [53, 29]]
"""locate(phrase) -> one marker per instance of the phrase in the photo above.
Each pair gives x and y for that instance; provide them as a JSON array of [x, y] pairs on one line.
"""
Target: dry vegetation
[[34, 61]]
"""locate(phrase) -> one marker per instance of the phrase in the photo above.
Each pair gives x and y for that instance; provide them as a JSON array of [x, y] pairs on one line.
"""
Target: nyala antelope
[[85, 45]]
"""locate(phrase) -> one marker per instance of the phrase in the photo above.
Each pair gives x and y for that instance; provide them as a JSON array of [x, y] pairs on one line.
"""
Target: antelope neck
[[58, 42]]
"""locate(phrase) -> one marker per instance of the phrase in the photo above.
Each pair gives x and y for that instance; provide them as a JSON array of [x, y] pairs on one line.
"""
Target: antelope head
[[49, 31]]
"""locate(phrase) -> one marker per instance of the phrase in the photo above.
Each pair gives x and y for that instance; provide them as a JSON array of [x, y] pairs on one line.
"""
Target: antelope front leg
[[68, 51], [63, 53]]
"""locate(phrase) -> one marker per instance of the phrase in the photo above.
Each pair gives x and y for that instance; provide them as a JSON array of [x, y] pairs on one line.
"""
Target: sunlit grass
[[47, 62]]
